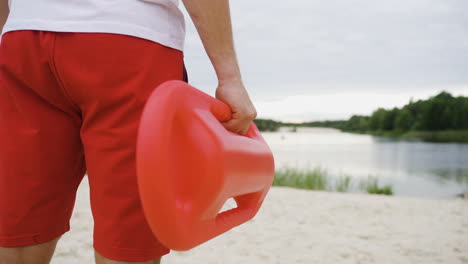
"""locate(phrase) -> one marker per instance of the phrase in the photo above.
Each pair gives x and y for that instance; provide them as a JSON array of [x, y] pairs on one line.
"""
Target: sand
[[298, 226]]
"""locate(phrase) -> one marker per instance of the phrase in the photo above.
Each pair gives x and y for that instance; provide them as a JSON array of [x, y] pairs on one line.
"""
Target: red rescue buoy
[[188, 165]]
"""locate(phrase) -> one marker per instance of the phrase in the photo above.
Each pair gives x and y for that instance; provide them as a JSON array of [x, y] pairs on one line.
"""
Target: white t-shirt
[[156, 20]]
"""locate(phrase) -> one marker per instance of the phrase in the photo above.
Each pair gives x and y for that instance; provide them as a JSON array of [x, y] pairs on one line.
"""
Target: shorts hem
[[130, 254], [31, 239]]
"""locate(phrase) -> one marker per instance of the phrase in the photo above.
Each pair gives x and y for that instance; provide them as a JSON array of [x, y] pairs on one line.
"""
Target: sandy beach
[[298, 226]]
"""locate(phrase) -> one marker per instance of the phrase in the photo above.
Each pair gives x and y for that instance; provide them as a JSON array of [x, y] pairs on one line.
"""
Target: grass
[[316, 179], [371, 185], [343, 184], [320, 179]]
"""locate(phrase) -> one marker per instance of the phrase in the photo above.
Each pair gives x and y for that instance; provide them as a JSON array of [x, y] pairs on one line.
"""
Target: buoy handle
[[222, 112], [247, 207]]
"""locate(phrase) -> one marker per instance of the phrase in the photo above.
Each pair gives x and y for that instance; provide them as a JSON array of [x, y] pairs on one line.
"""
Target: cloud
[[338, 106], [298, 47]]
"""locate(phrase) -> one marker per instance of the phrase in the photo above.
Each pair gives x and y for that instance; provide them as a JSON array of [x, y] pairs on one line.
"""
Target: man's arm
[[213, 22], [3, 13]]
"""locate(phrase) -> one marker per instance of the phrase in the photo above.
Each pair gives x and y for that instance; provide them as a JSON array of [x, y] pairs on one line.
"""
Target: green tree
[[437, 113], [376, 121], [389, 119], [357, 123], [267, 124], [404, 120]]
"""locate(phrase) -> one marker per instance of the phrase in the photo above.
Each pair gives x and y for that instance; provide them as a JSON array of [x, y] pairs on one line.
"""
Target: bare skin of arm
[[3, 13], [213, 22]]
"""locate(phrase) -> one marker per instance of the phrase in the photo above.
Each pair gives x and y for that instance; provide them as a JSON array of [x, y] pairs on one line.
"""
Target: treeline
[[441, 112], [440, 118], [438, 113], [267, 125], [272, 125], [327, 123]]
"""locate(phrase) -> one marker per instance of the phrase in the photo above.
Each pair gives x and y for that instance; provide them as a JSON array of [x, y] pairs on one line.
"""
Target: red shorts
[[71, 103]]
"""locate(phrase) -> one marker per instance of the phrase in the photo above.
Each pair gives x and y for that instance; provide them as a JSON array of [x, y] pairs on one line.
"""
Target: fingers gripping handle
[[220, 110], [223, 113]]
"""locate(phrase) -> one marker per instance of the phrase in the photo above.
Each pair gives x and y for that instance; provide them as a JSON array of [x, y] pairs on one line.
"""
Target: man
[[74, 77]]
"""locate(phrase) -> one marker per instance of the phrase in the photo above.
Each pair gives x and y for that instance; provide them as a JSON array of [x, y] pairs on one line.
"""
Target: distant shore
[[441, 118], [447, 136], [455, 136]]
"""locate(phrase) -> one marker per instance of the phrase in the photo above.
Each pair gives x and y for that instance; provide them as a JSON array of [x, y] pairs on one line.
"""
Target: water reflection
[[413, 167], [458, 175]]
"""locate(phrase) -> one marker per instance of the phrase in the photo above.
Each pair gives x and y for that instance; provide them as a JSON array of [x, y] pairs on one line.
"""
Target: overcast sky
[[328, 59]]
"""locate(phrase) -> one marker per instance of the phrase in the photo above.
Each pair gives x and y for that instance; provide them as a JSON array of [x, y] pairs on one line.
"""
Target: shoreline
[[435, 136], [443, 136]]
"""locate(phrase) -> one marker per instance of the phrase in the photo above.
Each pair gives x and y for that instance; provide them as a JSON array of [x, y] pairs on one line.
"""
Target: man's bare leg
[[102, 260], [36, 254]]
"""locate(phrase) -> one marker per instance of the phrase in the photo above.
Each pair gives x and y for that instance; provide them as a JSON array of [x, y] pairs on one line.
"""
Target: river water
[[412, 167]]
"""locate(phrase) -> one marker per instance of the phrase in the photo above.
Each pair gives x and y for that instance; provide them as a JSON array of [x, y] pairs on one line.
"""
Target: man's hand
[[212, 18], [234, 94]]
